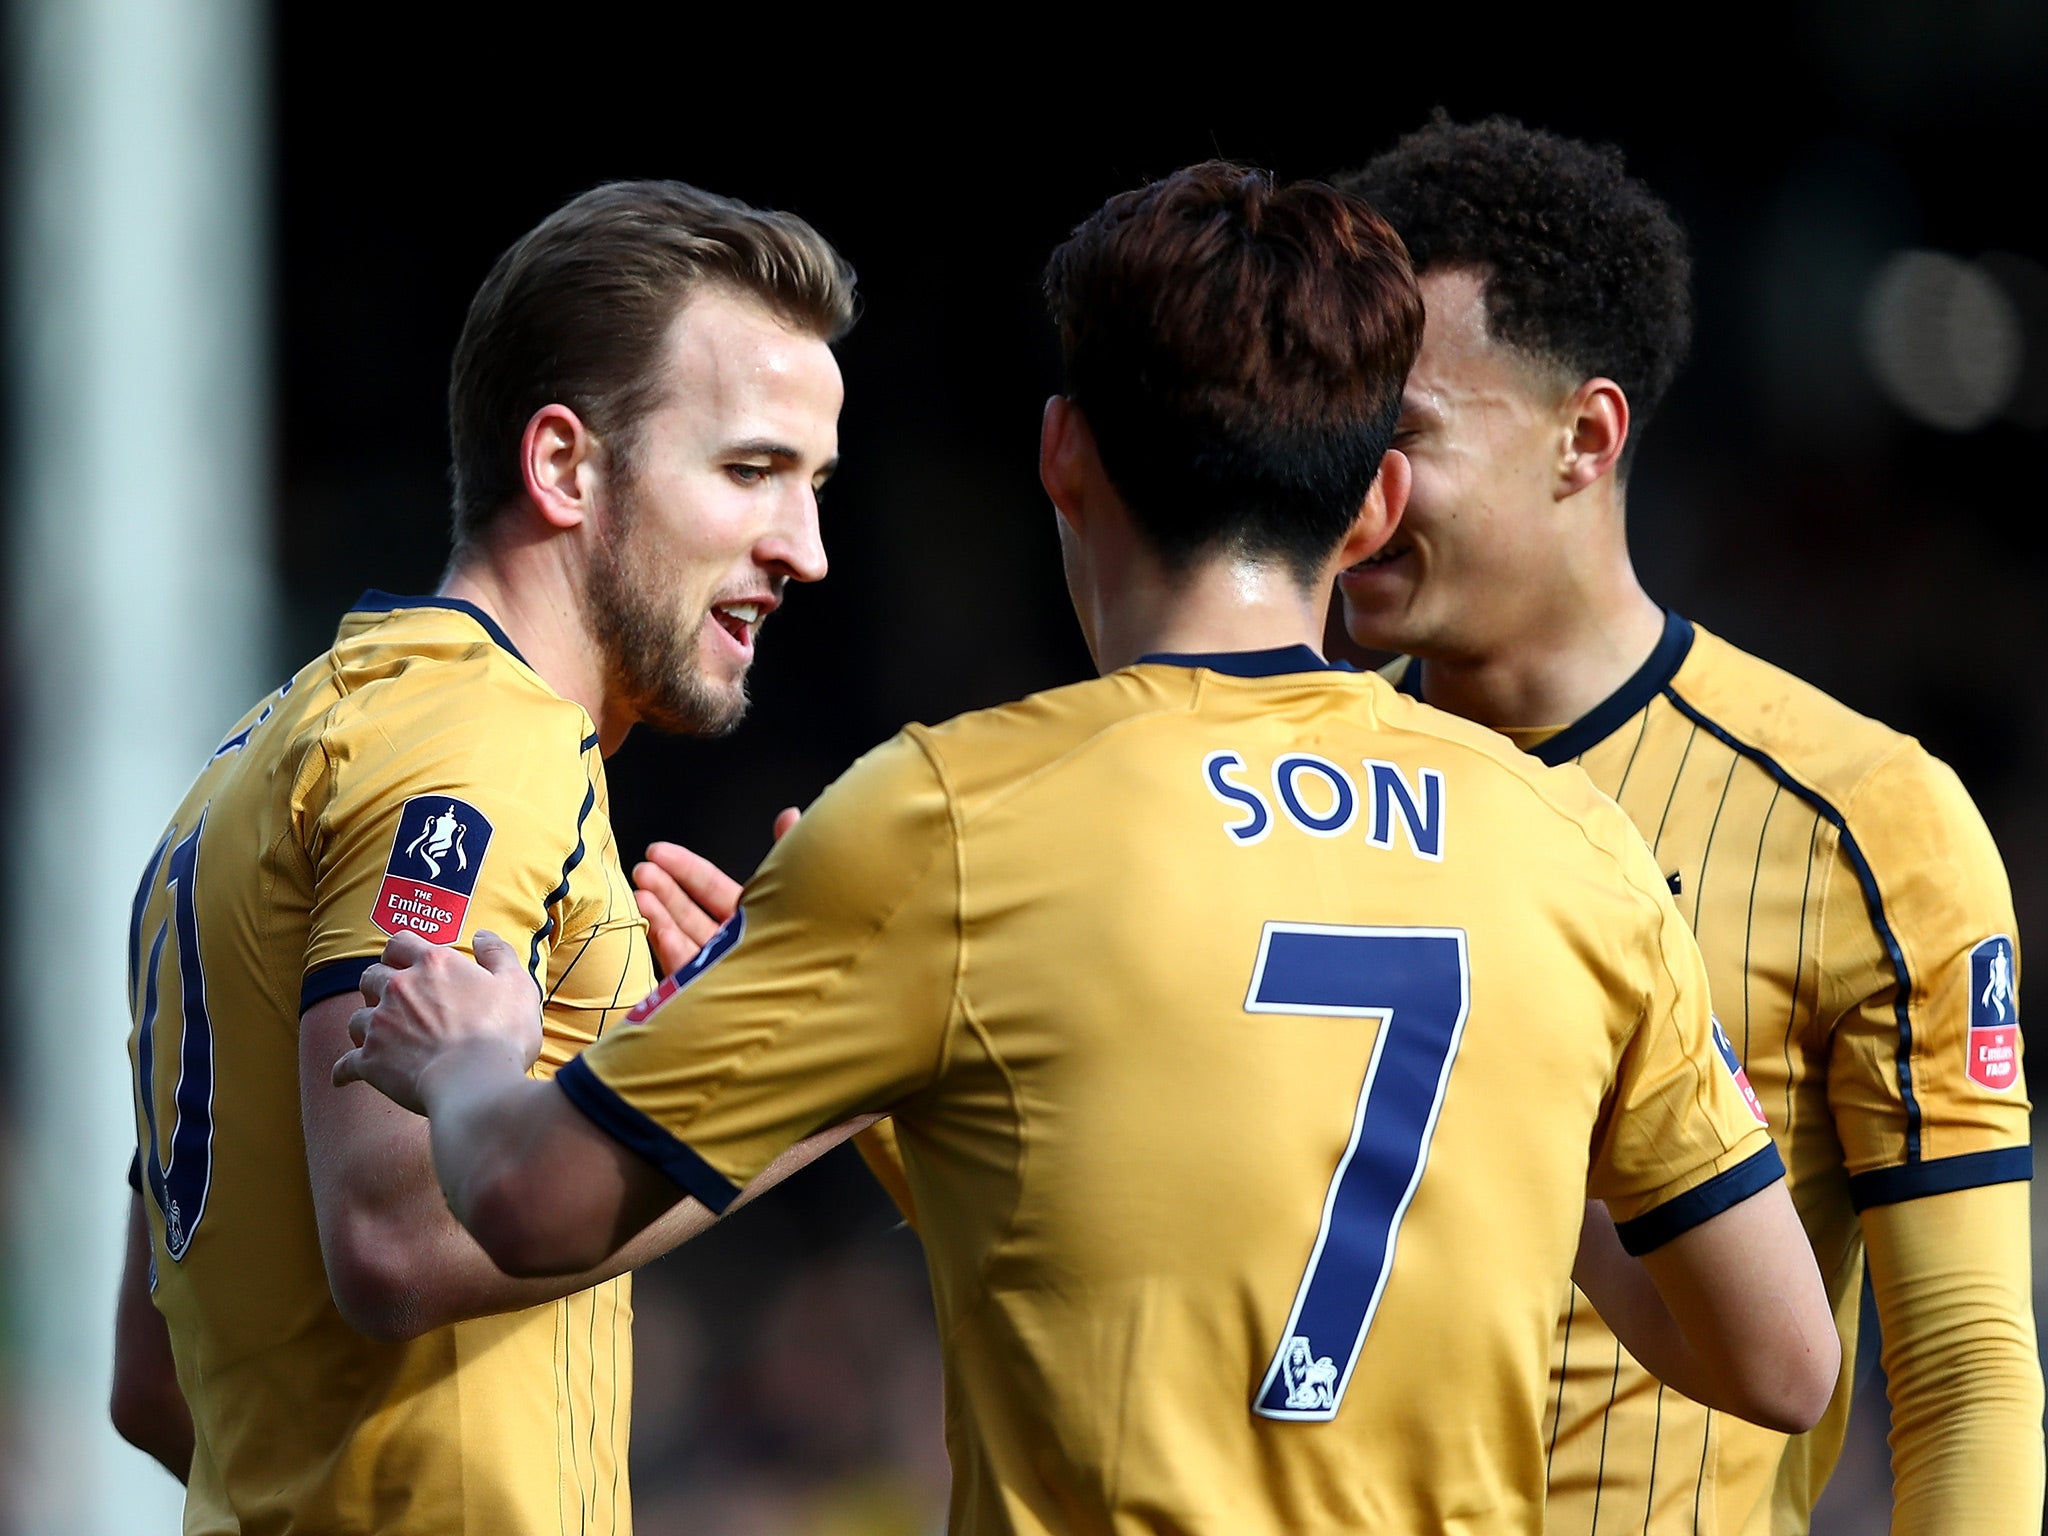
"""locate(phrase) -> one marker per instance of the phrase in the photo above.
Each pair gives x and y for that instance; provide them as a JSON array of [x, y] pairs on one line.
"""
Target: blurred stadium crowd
[[1846, 480]]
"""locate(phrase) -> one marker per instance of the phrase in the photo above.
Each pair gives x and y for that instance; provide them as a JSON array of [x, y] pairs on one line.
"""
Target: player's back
[[258, 901], [1284, 1012]]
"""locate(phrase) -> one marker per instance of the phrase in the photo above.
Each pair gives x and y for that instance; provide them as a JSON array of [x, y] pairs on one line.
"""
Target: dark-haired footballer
[[1855, 916], [643, 404], [1251, 1032]]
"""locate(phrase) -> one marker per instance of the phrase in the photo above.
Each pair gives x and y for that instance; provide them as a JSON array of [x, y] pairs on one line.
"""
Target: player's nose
[[795, 546]]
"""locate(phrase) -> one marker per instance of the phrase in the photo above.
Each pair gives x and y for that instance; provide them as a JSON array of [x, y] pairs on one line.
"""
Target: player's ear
[[1381, 514], [559, 459], [1064, 444], [1596, 430]]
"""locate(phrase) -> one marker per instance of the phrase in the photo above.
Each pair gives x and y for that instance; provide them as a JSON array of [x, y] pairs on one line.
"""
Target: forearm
[[1731, 1312], [148, 1409], [1627, 1300], [1951, 1274]]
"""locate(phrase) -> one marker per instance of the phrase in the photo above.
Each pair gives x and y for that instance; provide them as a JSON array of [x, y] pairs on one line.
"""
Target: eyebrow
[[768, 448]]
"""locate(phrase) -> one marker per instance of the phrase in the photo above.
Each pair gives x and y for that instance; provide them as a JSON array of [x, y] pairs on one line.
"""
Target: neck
[[1559, 658], [1225, 604], [536, 597]]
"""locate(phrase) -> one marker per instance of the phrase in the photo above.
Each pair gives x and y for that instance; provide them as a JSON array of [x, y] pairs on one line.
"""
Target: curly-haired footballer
[[1854, 913]]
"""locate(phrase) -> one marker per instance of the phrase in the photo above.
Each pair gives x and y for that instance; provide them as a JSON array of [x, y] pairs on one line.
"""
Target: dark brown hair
[[1585, 268], [1238, 350], [575, 313]]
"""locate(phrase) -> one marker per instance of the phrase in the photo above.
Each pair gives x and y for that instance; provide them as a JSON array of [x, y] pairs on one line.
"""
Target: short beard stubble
[[650, 664]]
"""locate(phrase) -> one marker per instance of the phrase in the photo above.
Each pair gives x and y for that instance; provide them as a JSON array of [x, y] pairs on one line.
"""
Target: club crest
[[1994, 1015], [1734, 1065], [435, 857]]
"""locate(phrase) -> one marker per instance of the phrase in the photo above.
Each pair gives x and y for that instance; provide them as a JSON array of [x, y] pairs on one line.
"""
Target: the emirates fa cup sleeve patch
[[1726, 1048], [1994, 1015], [431, 874]]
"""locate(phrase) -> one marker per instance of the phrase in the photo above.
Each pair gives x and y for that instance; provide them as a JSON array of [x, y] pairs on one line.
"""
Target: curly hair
[[1585, 267], [1238, 348]]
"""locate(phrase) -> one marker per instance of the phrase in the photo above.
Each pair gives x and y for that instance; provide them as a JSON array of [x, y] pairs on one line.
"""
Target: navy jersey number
[[178, 1186], [1416, 982]]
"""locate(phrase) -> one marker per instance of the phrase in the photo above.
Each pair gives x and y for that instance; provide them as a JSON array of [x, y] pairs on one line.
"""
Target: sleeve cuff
[[1915, 1181], [323, 982], [644, 1137], [1676, 1217]]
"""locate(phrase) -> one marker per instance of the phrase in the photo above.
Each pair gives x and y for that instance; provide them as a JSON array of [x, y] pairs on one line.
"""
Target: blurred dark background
[[1848, 478]]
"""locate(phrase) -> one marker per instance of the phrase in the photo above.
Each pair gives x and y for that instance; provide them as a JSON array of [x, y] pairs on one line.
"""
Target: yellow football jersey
[[418, 776], [1251, 1035], [1859, 939]]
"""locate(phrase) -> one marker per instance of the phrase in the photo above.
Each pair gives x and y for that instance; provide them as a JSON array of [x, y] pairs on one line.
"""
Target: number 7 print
[[1417, 983]]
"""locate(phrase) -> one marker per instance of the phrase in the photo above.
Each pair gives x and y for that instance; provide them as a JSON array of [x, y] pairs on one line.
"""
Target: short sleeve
[[1680, 1138], [440, 813], [827, 996], [1925, 1076]]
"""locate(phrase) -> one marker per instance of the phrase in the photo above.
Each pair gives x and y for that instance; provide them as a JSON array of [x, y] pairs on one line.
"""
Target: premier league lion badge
[[431, 874]]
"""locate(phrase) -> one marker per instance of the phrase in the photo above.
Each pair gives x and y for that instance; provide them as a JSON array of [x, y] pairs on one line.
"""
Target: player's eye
[[748, 474]]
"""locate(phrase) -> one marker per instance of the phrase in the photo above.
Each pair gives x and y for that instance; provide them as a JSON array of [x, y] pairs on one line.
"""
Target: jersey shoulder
[[1814, 737], [421, 698], [1565, 791]]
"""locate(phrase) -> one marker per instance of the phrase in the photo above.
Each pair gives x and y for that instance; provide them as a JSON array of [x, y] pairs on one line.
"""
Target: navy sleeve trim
[[1944, 1175], [1674, 1218], [1873, 901], [327, 981], [643, 1137]]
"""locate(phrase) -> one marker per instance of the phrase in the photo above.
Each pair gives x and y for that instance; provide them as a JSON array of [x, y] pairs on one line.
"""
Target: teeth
[[746, 613]]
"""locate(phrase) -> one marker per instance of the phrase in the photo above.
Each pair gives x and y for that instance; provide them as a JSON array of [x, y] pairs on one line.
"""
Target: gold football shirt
[[1859, 939], [416, 777], [1251, 1035]]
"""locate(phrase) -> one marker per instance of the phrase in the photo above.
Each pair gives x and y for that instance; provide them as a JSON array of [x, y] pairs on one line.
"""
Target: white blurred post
[[141, 611]]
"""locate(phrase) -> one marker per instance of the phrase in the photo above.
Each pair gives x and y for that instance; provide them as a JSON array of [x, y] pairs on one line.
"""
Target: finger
[[672, 950], [692, 920], [347, 1069], [373, 981], [701, 880], [786, 818], [405, 949], [359, 1025], [495, 955]]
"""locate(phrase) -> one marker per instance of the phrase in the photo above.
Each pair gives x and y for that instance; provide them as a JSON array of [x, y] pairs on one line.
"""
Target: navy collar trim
[[374, 601], [1612, 712], [1274, 663]]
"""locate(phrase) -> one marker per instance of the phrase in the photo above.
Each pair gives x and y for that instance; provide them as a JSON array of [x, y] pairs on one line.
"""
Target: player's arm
[[149, 1410], [830, 1002], [1952, 1277], [1938, 1156], [398, 1262], [1732, 1312], [684, 897], [1705, 1271]]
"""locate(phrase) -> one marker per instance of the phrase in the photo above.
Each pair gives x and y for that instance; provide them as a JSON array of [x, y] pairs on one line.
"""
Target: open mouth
[[739, 620], [1383, 559]]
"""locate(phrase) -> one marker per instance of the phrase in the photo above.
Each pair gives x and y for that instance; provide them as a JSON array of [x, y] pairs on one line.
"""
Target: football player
[[1855, 916], [644, 403], [1252, 1033]]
